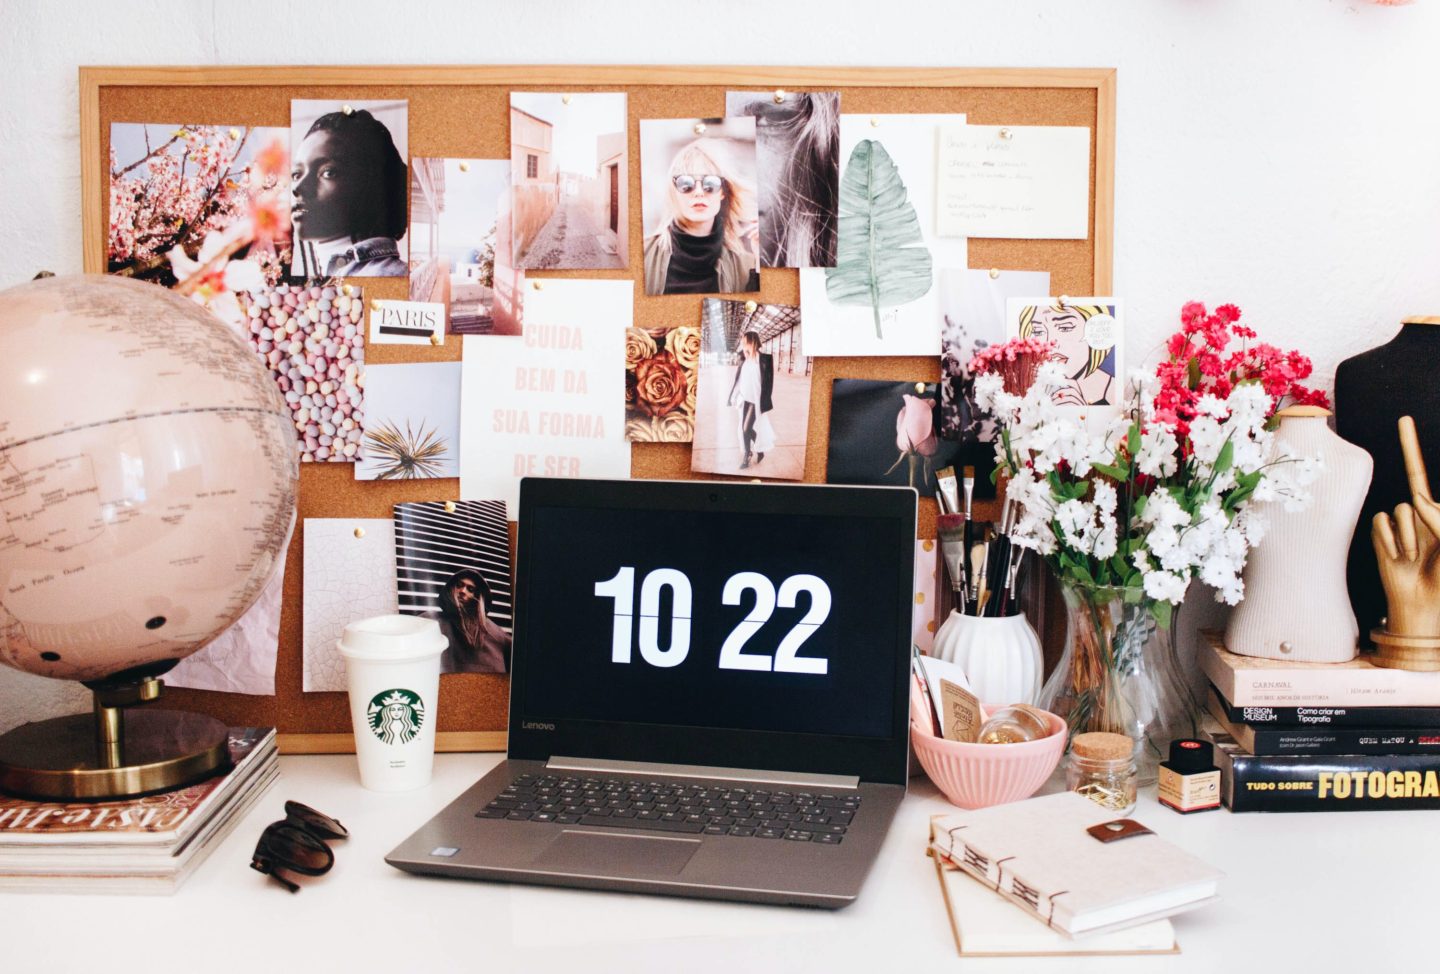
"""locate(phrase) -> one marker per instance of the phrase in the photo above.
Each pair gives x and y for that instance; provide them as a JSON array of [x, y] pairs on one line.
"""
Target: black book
[[1415, 718], [1322, 738], [1321, 782]]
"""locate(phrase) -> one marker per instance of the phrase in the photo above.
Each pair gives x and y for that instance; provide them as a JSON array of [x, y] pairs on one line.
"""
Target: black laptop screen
[[718, 617]]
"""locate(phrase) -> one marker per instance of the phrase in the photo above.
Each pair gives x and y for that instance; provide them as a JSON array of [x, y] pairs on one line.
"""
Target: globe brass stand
[[122, 750]]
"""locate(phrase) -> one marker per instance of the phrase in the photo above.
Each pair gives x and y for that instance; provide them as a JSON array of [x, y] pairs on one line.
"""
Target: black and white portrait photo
[[797, 144], [348, 188], [453, 566]]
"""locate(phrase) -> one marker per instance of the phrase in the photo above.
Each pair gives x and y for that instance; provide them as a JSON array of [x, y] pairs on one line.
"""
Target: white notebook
[[986, 926], [1038, 855]]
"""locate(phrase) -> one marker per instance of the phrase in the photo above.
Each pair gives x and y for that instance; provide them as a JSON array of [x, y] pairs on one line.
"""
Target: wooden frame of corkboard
[[460, 111]]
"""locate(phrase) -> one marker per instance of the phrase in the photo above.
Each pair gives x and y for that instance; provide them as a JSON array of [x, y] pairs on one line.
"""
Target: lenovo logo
[[537, 725]]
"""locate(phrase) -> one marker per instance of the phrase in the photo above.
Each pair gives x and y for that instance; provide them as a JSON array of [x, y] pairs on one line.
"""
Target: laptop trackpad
[[617, 854]]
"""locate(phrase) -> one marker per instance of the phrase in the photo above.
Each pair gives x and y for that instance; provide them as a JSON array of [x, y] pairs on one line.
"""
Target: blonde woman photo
[[704, 236]]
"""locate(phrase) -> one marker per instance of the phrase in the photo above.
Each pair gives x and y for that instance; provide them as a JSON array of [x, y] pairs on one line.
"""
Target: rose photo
[[753, 407], [568, 163], [452, 564], [797, 145], [702, 229], [660, 384], [883, 433], [348, 188], [455, 257]]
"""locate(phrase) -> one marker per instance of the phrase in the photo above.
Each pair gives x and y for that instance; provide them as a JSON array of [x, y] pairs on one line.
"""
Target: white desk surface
[[1315, 892]]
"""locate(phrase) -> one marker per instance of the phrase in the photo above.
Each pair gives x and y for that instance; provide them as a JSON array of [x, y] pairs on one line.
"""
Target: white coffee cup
[[393, 664]]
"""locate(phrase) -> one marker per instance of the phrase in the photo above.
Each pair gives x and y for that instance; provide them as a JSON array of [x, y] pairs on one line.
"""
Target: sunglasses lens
[[711, 184], [294, 848], [684, 183], [318, 822]]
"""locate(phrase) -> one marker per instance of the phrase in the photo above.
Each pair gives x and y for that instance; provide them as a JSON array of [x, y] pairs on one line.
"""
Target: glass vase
[[1119, 674]]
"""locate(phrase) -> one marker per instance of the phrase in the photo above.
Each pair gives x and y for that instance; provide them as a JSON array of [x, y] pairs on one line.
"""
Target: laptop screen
[[730, 625]]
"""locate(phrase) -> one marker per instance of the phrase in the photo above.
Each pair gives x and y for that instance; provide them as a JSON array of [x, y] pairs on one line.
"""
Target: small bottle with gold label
[[1189, 781]]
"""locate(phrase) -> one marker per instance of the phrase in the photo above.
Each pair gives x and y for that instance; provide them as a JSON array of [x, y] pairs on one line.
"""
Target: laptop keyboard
[[670, 806]]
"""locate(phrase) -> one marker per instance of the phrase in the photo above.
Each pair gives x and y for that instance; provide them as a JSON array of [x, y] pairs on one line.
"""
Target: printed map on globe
[[147, 476]]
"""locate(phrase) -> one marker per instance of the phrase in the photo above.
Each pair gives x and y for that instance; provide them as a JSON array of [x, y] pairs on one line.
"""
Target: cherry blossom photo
[[186, 200]]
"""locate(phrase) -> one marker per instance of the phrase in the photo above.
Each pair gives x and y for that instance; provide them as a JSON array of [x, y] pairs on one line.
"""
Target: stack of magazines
[[141, 845], [1321, 737]]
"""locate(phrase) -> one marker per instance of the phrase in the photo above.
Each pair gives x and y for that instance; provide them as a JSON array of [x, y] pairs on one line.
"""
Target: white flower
[[1158, 454], [1166, 587], [1212, 405], [1206, 438]]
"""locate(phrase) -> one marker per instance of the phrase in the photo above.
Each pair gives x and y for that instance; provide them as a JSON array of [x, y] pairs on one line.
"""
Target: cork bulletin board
[[458, 111]]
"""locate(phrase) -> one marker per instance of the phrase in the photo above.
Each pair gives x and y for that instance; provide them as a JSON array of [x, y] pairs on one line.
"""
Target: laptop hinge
[[795, 778]]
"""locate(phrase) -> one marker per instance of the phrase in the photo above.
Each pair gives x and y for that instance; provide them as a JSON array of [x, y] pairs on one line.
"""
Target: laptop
[[708, 693]]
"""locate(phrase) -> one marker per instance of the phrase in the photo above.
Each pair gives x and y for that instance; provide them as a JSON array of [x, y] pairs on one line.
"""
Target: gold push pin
[[234, 134], [699, 128], [919, 598], [1062, 301], [464, 166], [565, 99], [359, 532], [1006, 134], [449, 507], [920, 388], [779, 96], [535, 285], [874, 122], [435, 338], [751, 307], [994, 273], [348, 290], [374, 304], [347, 109]]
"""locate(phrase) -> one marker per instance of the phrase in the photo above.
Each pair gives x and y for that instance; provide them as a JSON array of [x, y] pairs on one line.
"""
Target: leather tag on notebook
[[1121, 828]]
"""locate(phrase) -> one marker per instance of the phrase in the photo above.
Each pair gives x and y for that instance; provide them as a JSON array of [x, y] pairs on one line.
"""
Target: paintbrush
[[969, 533], [951, 530], [945, 493]]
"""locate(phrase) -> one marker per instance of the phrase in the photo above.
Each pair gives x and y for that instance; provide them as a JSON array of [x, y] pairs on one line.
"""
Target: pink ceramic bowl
[[979, 775]]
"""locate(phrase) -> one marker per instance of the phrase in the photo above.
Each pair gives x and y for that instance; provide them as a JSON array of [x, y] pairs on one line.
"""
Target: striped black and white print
[[431, 544]]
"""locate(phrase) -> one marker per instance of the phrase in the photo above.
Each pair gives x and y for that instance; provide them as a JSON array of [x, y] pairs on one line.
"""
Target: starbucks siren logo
[[396, 716]]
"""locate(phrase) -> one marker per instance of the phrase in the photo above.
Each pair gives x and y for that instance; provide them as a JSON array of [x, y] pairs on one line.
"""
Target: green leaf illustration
[[881, 259]]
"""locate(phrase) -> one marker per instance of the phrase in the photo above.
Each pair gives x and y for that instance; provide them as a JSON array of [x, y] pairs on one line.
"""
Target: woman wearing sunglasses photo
[[709, 238]]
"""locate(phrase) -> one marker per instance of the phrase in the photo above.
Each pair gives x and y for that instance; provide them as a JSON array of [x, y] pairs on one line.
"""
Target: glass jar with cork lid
[[1102, 768]]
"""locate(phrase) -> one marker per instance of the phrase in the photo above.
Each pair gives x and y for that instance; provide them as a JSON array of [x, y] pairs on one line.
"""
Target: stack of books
[[141, 845], [1304, 737]]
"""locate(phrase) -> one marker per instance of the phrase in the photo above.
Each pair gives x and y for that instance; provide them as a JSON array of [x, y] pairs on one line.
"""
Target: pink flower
[[915, 427]]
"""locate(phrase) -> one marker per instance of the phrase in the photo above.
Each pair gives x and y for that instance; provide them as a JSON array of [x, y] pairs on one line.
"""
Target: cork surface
[[450, 119]]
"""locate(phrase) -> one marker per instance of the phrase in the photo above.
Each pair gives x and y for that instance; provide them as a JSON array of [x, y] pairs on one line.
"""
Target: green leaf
[[1119, 471], [1162, 611], [1132, 440], [1194, 373], [1226, 458], [881, 259], [1137, 508]]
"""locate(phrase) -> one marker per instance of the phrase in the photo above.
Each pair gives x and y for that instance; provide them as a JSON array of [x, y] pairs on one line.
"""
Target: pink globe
[[147, 477]]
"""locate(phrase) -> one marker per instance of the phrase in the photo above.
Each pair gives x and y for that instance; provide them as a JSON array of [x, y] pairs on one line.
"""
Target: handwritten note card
[[550, 403], [1014, 182]]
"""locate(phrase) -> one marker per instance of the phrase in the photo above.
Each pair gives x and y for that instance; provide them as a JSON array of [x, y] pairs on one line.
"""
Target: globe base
[[70, 758]]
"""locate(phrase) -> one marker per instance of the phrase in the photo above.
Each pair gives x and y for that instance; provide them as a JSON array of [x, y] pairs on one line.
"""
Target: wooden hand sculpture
[[1409, 552]]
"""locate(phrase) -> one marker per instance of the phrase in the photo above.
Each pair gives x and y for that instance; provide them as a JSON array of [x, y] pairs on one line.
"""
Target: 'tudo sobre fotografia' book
[[1069, 862]]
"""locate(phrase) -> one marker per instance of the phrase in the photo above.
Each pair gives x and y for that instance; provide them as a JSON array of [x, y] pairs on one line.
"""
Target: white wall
[[1280, 154]]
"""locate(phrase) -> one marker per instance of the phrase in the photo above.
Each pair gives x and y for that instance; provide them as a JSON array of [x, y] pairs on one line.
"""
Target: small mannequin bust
[[1296, 605]]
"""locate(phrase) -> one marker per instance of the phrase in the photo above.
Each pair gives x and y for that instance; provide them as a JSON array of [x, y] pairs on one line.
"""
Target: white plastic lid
[[393, 637]]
